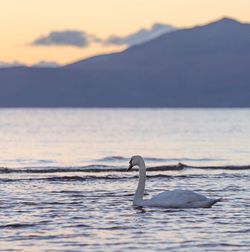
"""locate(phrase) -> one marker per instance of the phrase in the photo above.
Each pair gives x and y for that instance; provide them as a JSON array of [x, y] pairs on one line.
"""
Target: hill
[[204, 66]]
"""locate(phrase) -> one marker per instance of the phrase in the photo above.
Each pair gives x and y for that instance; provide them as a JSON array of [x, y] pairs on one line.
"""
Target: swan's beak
[[130, 167]]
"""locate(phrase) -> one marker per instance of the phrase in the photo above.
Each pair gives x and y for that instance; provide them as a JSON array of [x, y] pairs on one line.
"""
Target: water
[[63, 185]]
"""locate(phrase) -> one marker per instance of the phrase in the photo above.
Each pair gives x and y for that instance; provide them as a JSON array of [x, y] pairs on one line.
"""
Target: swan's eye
[[130, 162]]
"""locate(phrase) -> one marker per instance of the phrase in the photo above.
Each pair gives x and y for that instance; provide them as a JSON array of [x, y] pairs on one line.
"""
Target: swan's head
[[135, 160]]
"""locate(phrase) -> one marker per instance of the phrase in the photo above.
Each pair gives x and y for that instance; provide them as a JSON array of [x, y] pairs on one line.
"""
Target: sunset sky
[[25, 23]]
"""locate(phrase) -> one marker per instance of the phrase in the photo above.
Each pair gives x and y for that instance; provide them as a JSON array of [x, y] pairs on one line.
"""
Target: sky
[[65, 31]]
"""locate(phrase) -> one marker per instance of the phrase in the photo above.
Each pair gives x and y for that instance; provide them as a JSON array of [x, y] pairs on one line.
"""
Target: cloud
[[140, 36], [66, 38], [4, 64], [83, 39], [44, 63]]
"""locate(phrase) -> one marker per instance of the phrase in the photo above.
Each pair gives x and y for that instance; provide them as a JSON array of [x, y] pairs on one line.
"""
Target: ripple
[[18, 225], [76, 211]]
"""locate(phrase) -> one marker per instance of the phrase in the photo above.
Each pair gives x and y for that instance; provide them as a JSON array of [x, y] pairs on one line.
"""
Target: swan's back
[[180, 198], [180, 195]]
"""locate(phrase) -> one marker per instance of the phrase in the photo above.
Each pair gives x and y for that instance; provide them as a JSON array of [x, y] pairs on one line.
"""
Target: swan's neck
[[141, 185]]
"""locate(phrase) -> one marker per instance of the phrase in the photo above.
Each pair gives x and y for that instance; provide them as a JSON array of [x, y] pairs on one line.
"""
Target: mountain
[[204, 66]]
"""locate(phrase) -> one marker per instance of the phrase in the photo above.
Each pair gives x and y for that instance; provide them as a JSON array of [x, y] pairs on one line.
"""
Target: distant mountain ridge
[[204, 66]]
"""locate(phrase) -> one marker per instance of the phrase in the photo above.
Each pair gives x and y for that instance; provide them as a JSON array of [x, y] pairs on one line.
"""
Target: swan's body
[[169, 199]]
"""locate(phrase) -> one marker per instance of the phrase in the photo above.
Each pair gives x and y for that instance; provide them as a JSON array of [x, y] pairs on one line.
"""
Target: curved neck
[[141, 185]]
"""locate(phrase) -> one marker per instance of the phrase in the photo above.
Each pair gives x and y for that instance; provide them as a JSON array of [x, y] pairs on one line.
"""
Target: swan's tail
[[205, 203], [213, 201]]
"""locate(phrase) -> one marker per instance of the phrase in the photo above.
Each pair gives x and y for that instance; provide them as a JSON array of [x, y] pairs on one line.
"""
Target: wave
[[111, 158], [17, 225], [154, 159], [29, 161], [107, 168], [70, 178], [67, 178], [21, 225]]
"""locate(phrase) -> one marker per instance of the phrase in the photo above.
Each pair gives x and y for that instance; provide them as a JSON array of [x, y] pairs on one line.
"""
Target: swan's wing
[[179, 197]]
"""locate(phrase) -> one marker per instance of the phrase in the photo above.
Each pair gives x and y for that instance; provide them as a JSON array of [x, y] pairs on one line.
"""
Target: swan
[[177, 198]]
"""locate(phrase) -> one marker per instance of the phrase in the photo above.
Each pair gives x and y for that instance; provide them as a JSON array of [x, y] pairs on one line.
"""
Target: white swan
[[169, 199]]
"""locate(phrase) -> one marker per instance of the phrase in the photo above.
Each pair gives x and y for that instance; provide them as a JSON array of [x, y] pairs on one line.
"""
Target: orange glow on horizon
[[22, 21]]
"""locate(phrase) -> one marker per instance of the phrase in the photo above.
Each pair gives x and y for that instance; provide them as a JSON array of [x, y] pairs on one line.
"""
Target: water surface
[[63, 184]]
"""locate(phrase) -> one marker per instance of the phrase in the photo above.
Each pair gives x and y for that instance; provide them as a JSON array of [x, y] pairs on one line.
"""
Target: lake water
[[63, 185]]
